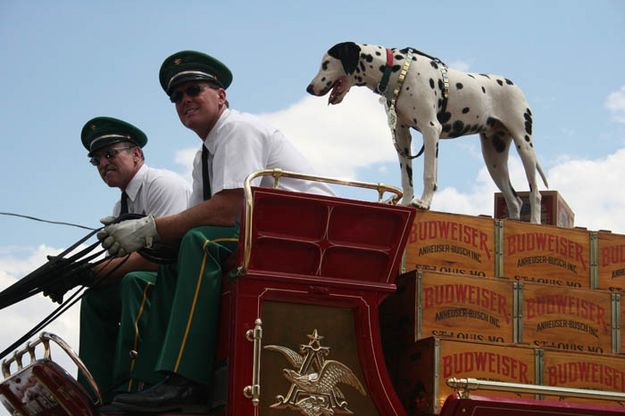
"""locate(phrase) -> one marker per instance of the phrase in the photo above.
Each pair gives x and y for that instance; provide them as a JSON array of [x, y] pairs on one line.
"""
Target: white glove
[[108, 220], [128, 236]]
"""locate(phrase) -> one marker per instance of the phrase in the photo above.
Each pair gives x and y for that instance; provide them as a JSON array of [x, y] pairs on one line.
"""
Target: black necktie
[[205, 178], [124, 206]]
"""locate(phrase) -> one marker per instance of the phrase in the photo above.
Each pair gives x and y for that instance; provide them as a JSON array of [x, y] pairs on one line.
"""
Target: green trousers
[[112, 321], [181, 336]]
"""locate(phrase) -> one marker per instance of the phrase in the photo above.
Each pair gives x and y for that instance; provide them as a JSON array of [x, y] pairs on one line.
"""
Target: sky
[[67, 61]]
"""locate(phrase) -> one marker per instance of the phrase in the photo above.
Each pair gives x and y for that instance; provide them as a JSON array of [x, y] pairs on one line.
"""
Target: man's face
[[199, 106], [118, 163]]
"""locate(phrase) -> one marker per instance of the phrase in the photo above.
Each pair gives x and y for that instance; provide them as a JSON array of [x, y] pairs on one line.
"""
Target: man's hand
[[128, 236], [81, 276]]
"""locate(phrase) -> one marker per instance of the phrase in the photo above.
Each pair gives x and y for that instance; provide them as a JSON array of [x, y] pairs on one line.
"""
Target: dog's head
[[337, 67]]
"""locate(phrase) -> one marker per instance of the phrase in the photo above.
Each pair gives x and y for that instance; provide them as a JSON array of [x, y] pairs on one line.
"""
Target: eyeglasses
[[108, 155], [192, 91]]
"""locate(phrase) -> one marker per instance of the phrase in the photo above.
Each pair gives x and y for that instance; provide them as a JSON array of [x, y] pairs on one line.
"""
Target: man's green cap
[[186, 66], [105, 131]]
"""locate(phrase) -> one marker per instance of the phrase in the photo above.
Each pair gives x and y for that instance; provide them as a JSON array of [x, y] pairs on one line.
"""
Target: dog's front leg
[[430, 155], [405, 163]]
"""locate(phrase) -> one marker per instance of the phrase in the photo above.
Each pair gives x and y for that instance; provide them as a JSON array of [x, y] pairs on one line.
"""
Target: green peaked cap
[[186, 66], [105, 131]]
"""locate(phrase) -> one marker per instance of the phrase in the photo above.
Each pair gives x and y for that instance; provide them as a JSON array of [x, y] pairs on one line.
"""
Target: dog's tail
[[542, 174]]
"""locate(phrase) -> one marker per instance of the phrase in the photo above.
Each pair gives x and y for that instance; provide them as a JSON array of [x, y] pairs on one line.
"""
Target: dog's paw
[[420, 204]]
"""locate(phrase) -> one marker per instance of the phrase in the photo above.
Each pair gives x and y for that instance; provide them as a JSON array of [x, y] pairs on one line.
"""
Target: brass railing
[[464, 386], [277, 174], [44, 339]]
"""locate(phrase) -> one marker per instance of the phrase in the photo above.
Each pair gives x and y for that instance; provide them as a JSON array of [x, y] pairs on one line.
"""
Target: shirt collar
[[211, 138], [135, 183]]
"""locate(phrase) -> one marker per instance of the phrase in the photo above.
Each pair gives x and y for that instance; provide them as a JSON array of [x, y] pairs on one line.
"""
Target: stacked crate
[[506, 301]]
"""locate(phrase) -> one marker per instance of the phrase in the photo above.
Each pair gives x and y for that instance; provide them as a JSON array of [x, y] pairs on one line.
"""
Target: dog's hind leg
[[405, 163], [495, 150], [521, 131], [431, 135]]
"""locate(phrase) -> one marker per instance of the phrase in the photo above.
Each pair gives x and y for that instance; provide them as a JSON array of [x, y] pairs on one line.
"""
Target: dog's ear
[[348, 53]]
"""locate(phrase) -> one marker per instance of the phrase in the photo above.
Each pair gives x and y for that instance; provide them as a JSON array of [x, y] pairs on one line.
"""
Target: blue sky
[[64, 62]]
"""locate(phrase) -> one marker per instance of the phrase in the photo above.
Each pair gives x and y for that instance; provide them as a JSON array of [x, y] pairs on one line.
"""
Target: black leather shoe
[[175, 393]]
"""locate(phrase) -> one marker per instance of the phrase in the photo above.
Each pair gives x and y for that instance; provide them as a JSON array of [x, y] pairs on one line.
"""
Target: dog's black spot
[[358, 78], [443, 117], [328, 84], [446, 128], [528, 111], [323, 79], [399, 57], [434, 64], [500, 82], [406, 150], [377, 53], [498, 143], [414, 59], [382, 68], [459, 85], [437, 150], [440, 101], [471, 76], [457, 129], [485, 76], [396, 68], [465, 110], [324, 65], [491, 121], [362, 66], [409, 173], [408, 88], [361, 84], [414, 120], [528, 127], [509, 82], [484, 90], [432, 123], [347, 53], [367, 57], [434, 188], [441, 86], [431, 83], [527, 138]]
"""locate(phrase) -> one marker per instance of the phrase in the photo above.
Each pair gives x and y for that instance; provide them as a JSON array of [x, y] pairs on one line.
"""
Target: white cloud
[[19, 318], [615, 103], [336, 139], [460, 65]]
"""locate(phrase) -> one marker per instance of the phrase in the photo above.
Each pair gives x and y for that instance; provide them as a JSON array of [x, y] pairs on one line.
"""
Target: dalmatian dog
[[440, 103]]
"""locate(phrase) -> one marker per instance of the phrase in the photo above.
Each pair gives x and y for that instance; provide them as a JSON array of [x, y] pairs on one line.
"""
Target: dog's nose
[[310, 89]]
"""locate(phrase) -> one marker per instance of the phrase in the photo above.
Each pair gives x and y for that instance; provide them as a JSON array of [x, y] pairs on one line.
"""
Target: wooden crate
[[584, 371], [450, 306], [451, 243], [545, 254], [566, 318], [420, 372], [553, 209], [610, 261]]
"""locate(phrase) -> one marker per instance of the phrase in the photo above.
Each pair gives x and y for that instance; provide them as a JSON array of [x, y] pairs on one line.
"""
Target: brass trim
[[44, 339], [255, 335], [465, 385], [499, 248], [616, 322], [594, 260], [277, 175], [419, 306]]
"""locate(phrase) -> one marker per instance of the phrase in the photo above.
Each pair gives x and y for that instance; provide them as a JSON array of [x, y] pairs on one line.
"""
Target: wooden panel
[[566, 318], [611, 261], [546, 254], [421, 373], [553, 209], [586, 371], [451, 243]]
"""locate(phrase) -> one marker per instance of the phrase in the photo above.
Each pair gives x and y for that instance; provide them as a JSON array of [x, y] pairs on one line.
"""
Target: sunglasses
[[108, 155], [192, 91]]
